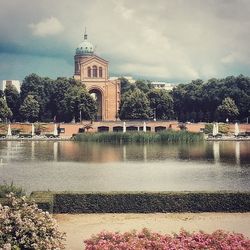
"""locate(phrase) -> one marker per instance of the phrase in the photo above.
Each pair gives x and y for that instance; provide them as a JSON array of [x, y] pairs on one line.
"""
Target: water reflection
[[233, 153], [237, 153], [216, 151], [103, 167]]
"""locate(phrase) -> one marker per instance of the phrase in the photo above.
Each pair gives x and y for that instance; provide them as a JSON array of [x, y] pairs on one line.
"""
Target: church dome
[[85, 48]]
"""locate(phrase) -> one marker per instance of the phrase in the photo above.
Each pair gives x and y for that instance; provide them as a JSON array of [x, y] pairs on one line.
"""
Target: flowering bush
[[146, 240], [24, 226]]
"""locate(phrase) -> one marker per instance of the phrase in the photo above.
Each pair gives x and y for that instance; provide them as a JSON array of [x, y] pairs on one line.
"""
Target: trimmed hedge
[[139, 202]]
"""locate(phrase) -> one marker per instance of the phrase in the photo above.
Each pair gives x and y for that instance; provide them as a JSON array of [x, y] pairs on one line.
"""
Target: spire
[[85, 34]]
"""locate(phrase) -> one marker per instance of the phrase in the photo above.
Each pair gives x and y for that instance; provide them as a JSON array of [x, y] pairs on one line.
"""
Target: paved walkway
[[81, 226]]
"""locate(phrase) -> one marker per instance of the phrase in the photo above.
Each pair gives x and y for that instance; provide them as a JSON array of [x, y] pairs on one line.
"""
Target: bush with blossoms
[[24, 226], [219, 240]]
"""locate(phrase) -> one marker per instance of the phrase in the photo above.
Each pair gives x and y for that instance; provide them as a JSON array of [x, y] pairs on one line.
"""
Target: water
[[74, 166]]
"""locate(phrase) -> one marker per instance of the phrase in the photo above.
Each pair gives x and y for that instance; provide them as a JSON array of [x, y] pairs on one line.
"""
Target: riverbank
[[80, 227]]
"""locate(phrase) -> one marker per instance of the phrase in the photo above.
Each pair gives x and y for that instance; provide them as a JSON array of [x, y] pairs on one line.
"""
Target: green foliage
[[228, 109], [208, 128], [144, 85], [141, 137], [29, 110], [125, 85], [60, 99], [5, 112], [162, 103], [78, 100], [224, 128], [10, 188], [146, 202], [204, 98], [135, 105], [13, 99]]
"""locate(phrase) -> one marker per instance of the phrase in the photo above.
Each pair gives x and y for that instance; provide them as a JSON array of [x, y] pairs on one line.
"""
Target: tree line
[[65, 99], [44, 99]]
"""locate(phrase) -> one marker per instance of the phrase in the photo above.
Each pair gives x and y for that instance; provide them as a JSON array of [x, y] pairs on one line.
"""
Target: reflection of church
[[93, 72]]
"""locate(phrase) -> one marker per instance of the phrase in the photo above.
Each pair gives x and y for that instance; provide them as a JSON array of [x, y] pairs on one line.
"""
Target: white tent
[[9, 131], [236, 129], [124, 127], [55, 130], [144, 127]]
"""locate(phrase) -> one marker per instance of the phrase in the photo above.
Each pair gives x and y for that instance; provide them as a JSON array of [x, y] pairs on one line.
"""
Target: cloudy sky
[[171, 40]]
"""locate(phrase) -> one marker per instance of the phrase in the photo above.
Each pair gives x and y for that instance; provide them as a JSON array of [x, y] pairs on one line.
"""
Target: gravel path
[[81, 226]]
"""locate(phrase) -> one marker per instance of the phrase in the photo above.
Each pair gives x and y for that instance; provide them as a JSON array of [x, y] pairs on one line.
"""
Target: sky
[[165, 40]]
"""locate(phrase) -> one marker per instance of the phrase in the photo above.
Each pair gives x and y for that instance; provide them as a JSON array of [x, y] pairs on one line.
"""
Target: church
[[93, 71]]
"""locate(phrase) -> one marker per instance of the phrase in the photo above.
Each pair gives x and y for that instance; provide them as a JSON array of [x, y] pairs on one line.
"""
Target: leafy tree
[[125, 85], [5, 112], [38, 87], [143, 85], [135, 105], [228, 109], [13, 100], [78, 102], [161, 103], [29, 110], [1, 94]]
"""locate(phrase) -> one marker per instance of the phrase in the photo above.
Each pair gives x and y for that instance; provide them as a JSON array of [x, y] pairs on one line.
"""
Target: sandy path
[[81, 226]]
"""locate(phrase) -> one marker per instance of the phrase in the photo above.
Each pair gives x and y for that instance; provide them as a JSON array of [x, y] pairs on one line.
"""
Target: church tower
[[93, 71]]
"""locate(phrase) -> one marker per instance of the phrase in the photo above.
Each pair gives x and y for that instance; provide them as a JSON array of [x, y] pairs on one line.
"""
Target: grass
[[141, 137]]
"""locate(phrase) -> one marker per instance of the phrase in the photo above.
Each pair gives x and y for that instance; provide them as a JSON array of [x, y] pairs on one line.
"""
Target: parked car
[[2, 136]]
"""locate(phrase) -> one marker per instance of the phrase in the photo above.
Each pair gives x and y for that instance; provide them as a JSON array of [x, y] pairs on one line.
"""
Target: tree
[[143, 85], [79, 101], [161, 103], [135, 105], [30, 108], [228, 109], [125, 85], [40, 88], [13, 100], [5, 112]]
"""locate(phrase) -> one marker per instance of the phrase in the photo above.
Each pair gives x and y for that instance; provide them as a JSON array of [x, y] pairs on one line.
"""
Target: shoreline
[[80, 227]]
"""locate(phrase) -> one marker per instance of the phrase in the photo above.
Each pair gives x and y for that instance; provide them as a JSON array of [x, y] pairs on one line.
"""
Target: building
[[15, 83], [163, 85], [93, 71], [129, 78]]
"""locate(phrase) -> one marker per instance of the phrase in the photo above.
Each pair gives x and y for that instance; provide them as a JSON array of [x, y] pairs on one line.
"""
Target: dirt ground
[[81, 226]]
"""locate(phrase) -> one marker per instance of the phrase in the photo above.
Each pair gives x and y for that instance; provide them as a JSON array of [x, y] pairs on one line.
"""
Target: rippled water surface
[[75, 166]]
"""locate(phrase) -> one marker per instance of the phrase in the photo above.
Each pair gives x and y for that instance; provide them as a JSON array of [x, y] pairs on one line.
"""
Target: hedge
[[146, 202]]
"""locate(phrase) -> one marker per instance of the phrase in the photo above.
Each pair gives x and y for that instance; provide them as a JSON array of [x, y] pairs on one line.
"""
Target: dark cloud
[[174, 40]]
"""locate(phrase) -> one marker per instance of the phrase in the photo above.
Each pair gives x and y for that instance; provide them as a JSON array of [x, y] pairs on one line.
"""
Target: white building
[[15, 83], [163, 85], [129, 78]]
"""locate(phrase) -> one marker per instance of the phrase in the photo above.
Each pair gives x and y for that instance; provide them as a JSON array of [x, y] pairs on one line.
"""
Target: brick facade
[[93, 71]]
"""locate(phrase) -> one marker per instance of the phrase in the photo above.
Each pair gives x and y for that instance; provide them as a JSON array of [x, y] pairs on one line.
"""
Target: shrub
[[10, 188], [184, 240], [147, 202], [24, 226]]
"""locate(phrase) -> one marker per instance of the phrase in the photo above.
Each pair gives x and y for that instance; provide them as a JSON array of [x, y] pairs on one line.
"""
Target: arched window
[[94, 71], [100, 72], [89, 72]]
